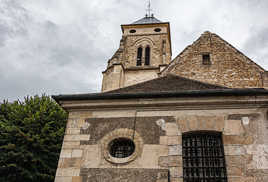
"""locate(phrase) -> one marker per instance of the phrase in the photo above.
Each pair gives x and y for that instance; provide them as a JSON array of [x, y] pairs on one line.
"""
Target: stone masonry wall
[[158, 139], [228, 67]]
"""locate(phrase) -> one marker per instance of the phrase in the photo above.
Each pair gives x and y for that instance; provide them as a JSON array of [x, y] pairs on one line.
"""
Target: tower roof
[[147, 20]]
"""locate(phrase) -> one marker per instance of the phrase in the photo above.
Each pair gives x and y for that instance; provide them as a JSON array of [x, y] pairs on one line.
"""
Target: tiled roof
[[147, 20], [169, 83]]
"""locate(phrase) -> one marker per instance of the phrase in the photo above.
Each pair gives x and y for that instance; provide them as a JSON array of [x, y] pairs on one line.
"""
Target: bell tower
[[145, 49]]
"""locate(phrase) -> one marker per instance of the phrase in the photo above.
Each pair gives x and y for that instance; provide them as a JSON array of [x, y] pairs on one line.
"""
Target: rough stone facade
[[228, 66], [158, 135]]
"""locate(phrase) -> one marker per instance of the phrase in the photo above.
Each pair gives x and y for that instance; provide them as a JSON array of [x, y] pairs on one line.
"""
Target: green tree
[[31, 134]]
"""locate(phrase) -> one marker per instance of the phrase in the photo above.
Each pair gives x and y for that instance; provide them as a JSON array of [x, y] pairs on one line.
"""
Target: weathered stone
[[67, 172], [91, 156], [71, 131], [175, 161], [163, 140], [234, 150], [172, 129], [237, 139], [233, 127], [66, 153], [174, 140], [74, 138], [69, 163], [175, 150], [176, 172], [77, 153], [234, 171], [77, 179], [63, 179], [176, 179]]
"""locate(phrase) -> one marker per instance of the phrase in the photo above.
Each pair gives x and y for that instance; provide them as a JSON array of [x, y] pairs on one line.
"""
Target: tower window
[[206, 59], [121, 147], [132, 31], [203, 157], [147, 55], [157, 29], [139, 56]]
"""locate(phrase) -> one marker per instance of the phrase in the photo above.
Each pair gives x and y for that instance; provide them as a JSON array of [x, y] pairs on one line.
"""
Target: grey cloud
[[58, 47]]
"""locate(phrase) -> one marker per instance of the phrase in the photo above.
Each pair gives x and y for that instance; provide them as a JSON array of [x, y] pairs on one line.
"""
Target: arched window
[[203, 157], [139, 56], [147, 55]]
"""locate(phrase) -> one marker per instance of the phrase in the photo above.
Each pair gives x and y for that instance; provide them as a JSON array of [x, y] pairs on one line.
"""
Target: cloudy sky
[[62, 46]]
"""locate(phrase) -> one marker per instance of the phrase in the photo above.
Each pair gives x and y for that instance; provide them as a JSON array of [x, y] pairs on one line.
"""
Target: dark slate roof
[[169, 83], [147, 20], [184, 93], [169, 86]]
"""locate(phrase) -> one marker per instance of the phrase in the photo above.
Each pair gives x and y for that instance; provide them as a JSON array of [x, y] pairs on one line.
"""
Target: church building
[[200, 117]]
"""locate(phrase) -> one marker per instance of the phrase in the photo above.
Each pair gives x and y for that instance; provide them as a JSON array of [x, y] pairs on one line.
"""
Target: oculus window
[[121, 147]]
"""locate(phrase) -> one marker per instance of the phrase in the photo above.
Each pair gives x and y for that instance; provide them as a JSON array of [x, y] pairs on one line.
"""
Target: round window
[[157, 30], [132, 31], [121, 147]]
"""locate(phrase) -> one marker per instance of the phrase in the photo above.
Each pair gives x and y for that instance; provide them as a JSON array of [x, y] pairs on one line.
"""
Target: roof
[[167, 83], [172, 94], [147, 20]]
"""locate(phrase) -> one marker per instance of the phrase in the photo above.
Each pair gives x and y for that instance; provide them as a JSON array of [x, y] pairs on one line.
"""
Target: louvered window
[[203, 157]]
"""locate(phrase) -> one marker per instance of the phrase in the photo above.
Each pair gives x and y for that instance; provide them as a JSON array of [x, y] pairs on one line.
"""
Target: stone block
[[63, 179], [233, 127], [151, 154], [172, 129], [237, 139], [163, 140], [163, 161], [77, 153], [176, 179], [234, 150], [234, 171], [69, 163], [76, 137], [67, 172], [77, 179], [176, 172], [72, 131], [65, 153], [183, 125], [175, 161], [234, 160], [70, 145], [175, 150], [174, 140], [91, 156]]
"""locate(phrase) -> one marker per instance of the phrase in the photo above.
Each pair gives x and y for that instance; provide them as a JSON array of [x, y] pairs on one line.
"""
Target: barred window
[[203, 157], [121, 147]]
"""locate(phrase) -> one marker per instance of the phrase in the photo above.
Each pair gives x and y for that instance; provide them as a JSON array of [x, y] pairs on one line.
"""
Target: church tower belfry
[[145, 49]]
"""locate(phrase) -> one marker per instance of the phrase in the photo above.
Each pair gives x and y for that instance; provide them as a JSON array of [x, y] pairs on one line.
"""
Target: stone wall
[[158, 137], [228, 67]]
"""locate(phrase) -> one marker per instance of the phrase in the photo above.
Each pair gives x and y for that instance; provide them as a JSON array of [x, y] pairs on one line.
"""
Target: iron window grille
[[121, 148], [203, 157]]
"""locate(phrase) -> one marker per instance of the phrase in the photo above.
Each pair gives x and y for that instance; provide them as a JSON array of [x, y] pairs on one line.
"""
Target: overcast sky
[[62, 46]]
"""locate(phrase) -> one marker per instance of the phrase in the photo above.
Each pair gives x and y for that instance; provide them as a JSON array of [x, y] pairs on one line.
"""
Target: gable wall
[[229, 67]]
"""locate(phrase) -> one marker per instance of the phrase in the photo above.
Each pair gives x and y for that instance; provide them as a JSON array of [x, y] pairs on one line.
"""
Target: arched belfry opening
[[147, 55], [139, 56]]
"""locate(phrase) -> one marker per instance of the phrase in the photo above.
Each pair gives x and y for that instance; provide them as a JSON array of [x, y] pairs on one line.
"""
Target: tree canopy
[[31, 134]]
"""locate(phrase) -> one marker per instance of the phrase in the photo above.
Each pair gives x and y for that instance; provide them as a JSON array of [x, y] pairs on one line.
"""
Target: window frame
[[204, 163]]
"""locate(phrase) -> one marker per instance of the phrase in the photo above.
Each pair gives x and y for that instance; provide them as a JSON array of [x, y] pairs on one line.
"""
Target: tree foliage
[[31, 134]]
